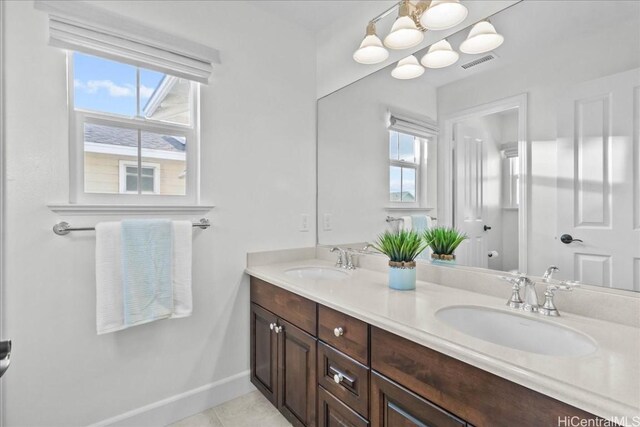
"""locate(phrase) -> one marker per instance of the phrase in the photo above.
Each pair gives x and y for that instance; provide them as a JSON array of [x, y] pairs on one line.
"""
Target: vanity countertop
[[605, 383]]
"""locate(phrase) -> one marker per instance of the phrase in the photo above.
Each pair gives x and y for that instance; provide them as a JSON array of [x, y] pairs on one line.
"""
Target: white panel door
[[469, 211], [598, 182]]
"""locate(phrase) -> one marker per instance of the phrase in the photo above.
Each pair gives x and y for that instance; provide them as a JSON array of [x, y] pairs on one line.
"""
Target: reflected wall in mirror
[[532, 149]]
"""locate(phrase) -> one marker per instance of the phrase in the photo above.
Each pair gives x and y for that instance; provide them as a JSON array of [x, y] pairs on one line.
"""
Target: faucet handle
[[340, 253], [515, 278], [515, 301], [549, 308], [565, 285]]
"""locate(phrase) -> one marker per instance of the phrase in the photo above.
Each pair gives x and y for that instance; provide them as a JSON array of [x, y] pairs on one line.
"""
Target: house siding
[[102, 173]]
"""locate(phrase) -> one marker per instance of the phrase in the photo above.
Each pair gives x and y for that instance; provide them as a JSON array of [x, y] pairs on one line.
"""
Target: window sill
[[84, 209], [407, 208]]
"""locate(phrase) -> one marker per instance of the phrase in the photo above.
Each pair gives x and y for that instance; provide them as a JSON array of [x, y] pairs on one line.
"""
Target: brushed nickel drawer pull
[[338, 332], [340, 377]]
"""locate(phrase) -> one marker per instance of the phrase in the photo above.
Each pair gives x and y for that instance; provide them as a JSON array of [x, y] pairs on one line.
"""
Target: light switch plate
[[326, 222], [304, 222]]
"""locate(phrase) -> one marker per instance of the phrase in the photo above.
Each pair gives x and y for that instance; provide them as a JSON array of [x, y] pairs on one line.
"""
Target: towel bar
[[64, 228], [393, 219]]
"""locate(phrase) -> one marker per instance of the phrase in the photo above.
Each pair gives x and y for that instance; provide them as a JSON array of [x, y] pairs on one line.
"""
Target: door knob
[[486, 227], [5, 356], [567, 238]]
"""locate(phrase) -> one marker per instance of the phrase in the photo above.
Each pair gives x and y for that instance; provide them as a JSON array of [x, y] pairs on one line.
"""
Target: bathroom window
[[134, 133], [404, 168], [511, 181]]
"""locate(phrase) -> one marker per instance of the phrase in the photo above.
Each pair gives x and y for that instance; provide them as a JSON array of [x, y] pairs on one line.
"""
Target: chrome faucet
[[546, 278], [530, 295], [341, 254], [349, 258], [345, 258], [530, 301]]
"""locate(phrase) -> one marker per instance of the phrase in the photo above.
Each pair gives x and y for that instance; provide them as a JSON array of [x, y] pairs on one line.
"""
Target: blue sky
[[109, 86]]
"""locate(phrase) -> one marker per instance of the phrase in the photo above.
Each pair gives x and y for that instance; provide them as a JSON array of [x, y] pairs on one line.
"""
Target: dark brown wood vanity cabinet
[[322, 367], [283, 355]]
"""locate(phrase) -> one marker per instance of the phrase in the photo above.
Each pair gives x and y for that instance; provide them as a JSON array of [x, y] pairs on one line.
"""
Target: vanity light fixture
[[443, 14], [371, 50], [408, 68], [404, 32], [482, 38], [440, 55]]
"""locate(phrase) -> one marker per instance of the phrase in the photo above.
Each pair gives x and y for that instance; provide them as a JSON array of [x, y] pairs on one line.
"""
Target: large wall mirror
[[531, 149]]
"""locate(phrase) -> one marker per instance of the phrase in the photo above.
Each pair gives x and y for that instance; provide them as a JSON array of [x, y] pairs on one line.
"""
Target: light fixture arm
[[371, 29], [405, 8], [421, 7]]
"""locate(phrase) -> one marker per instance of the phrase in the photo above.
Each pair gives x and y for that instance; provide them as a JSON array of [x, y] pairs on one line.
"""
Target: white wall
[[353, 154], [258, 150], [545, 77]]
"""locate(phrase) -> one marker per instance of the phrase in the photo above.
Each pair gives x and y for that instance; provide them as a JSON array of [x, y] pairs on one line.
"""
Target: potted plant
[[443, 242], [402, 248]]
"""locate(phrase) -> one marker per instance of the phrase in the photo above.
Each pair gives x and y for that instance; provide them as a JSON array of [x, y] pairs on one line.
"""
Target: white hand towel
[[182, 243], [109, 302], [406, 223], [109, 288]]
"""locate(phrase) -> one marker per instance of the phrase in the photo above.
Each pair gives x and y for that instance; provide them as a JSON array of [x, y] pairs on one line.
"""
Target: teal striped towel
[[147, 250], [420, 223]]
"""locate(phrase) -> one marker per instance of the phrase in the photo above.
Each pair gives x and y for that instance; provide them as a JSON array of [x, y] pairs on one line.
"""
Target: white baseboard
[[174, 408]]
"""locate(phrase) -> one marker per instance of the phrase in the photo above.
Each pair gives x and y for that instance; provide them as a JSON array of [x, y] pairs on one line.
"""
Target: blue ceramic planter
[[402, 278], [450, 260]]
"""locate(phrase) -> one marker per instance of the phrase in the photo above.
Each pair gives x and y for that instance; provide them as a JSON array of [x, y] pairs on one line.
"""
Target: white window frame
[[122, 183], [191, 132], [511, 181], [420, 147]]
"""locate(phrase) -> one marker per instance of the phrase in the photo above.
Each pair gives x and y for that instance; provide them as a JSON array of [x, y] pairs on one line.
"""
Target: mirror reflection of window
[[511, 173], [404, 167]]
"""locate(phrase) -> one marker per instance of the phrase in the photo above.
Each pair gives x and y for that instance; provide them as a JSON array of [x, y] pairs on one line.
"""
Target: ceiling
[[534, 28], [315, 15]]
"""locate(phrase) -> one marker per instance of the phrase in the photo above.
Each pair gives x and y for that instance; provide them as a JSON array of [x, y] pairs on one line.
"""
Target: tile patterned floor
[[250, 410]]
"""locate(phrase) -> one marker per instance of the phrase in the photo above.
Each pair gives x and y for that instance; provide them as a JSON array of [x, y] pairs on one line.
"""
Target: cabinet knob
[[278, 329], [338, 331], [337, 378], [272, 326]]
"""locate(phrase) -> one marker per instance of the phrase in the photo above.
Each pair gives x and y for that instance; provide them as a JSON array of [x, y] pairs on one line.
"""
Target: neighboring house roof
[[108, 135], [402, 196], [170, 101]]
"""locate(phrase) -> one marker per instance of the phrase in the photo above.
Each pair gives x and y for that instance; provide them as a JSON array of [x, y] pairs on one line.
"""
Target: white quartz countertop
[[605, 383]]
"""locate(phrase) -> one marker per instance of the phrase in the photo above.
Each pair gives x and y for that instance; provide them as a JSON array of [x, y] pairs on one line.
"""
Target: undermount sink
[[317, 273], [517, 331]]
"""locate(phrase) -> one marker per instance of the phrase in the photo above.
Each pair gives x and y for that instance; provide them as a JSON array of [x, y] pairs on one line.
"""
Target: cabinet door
[[264, 352], [296, 375], [334, 413], [395, 406]]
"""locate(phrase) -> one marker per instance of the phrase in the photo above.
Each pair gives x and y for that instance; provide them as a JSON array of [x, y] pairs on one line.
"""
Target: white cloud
[[116, 91], [146, 92]]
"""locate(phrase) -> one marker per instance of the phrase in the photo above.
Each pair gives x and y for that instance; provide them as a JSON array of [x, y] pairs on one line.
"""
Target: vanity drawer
[[347, 379], [332, 412], [349, 335], [284, 304], [478, 396]]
